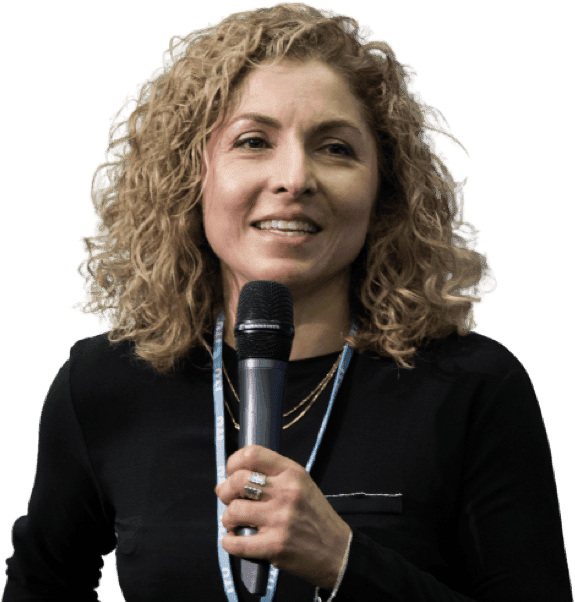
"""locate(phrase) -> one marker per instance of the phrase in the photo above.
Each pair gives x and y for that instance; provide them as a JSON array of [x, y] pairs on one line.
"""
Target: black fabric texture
[[443, 472]]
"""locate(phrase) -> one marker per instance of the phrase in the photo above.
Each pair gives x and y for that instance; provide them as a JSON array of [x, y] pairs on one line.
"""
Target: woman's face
[[260, 171]]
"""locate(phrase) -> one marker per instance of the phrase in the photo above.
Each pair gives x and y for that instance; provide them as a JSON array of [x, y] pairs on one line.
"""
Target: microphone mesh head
[[264, 326]]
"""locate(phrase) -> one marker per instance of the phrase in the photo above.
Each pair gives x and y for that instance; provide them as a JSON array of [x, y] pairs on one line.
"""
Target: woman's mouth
[[294, 228]]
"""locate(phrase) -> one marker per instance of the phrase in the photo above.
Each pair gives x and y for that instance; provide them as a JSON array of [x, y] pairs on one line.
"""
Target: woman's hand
[[298, 530]]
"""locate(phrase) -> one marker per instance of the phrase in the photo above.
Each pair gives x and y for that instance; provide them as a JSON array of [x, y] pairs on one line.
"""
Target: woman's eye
[[345, 147], [246, 140]]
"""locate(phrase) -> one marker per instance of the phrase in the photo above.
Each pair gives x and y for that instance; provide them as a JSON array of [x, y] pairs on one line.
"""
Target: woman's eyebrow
[[320, 127]]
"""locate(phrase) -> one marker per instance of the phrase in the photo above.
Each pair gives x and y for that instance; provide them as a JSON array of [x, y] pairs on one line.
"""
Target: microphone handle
[[261, 383]]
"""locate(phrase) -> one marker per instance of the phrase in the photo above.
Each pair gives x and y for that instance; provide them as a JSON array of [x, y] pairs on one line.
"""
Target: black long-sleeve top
[[455, 450]]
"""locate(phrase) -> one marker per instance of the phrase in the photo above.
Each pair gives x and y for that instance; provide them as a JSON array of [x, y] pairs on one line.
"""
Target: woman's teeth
[[294, 228]]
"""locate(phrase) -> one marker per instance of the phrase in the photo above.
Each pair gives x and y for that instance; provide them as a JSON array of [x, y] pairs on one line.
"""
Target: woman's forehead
[[313, 85]]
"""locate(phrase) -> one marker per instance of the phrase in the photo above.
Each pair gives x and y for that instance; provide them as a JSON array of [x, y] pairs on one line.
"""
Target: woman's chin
[[276, 270]]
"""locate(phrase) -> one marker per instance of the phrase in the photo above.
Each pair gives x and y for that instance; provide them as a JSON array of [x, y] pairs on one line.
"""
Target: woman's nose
[[293, 169]]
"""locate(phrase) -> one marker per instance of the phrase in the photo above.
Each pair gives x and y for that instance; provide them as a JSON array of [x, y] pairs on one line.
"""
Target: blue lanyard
[[223, 556]]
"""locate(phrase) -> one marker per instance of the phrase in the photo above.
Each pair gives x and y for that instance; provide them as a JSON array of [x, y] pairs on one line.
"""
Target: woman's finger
[[264, 545], [244, 513], [256, 458], [234, 487]]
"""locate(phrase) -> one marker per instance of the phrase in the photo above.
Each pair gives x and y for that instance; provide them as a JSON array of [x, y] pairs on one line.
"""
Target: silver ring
[[258, 478], [253, 493]]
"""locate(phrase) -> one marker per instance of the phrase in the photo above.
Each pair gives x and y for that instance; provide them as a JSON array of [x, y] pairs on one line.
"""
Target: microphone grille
[[264, 326]]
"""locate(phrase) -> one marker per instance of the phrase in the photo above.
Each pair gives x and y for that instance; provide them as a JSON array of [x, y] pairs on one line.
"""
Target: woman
[[433, 479]]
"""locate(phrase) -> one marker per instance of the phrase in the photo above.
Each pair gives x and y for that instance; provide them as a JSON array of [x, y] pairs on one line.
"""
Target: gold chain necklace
[[322, 385]]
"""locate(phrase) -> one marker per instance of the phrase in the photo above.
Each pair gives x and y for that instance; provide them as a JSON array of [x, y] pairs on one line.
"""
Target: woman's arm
[[59, 544]]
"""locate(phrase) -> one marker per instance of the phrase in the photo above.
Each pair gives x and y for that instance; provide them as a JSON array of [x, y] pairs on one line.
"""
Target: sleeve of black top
[[59, 544], [510, 531]]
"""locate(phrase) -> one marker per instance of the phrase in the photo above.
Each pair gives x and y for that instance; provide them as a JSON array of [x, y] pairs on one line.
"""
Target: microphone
[[264, 334]]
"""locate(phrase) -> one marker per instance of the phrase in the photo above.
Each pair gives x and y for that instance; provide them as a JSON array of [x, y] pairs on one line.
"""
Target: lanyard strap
[[221, 476]]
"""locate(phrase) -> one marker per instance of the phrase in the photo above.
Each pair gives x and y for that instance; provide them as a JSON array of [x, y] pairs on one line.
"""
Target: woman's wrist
[[340, 574]]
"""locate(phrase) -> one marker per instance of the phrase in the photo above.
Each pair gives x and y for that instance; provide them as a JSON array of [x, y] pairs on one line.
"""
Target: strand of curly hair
[[151, 266]]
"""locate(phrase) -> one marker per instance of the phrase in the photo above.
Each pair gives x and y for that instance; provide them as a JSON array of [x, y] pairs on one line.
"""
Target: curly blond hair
[[152, 265]]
